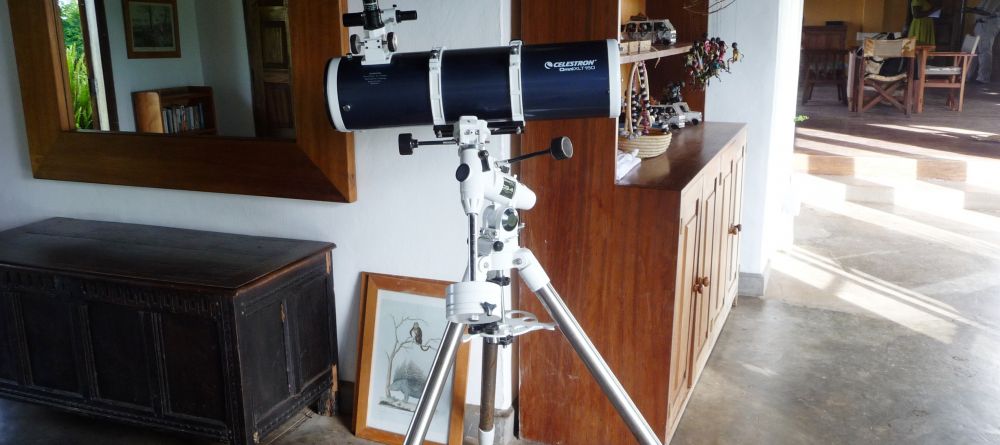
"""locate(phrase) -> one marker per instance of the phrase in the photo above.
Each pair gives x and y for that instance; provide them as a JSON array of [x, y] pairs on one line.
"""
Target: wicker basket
[[649, 146], [653, 144]]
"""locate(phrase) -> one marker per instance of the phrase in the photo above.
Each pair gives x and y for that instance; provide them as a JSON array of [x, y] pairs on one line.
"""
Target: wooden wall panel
[[593, 238]]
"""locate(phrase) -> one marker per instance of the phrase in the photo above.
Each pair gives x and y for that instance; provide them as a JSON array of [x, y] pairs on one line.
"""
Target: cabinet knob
[[705, 281], [735, 229], [698, 288]]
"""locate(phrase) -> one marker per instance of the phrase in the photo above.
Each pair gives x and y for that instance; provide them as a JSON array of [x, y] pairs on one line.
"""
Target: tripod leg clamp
[[531, 271]]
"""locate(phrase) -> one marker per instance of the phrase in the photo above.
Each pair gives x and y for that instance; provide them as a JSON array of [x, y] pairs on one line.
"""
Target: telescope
[[505, 86], [468, 95]]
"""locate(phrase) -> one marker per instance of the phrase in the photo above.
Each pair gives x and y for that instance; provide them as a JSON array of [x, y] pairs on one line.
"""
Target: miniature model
[[674, 112]]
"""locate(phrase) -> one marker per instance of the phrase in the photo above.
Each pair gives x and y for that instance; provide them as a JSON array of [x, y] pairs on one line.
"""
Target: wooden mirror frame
[[317, 165]]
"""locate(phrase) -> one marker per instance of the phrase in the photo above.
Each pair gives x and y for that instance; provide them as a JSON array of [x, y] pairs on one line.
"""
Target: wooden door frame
[[104, 48]]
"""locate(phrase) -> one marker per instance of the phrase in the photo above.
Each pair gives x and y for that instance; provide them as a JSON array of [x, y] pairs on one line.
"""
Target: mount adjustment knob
[[407, 144]]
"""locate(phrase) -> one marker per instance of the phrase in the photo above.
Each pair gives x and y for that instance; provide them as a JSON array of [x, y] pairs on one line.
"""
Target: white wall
[[132, 75], [225, 64], [407, 220], [761, 93]]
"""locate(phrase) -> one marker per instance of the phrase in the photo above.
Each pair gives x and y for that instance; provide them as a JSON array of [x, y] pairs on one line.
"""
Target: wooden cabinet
[[707, 268], [648, 266], [646, 263], [215, 336]]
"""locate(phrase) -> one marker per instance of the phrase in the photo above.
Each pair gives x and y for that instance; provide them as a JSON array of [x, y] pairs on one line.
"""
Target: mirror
[[179, 67], [306, 159]]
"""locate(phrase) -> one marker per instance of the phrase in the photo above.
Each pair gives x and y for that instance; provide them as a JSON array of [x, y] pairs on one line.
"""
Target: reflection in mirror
[[189, 67]]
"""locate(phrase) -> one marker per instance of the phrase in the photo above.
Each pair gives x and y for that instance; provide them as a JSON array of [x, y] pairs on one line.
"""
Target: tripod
[[491, 197]]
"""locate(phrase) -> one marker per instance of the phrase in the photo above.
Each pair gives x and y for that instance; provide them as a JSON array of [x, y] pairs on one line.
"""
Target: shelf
[[658, 52], [201, 131]]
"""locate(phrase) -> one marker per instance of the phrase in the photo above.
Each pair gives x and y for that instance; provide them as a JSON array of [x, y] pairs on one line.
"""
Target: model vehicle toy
[[673, 111], [659, 32], [668, 116]]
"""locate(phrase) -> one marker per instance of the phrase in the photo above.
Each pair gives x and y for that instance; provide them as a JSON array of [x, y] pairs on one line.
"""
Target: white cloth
[[625, 162], [987, 29]]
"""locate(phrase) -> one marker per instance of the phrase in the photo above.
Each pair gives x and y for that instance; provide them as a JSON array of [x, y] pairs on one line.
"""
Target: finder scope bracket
[[378, 42]]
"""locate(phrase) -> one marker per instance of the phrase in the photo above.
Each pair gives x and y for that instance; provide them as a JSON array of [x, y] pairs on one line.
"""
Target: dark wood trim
[[318, 165], [104, 45], [130, 45]]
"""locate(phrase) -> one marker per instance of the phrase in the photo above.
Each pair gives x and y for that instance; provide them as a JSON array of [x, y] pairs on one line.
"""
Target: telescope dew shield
[[558, 81]]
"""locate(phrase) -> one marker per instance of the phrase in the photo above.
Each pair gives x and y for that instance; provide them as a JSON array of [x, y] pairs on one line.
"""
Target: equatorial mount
[[491, 198]]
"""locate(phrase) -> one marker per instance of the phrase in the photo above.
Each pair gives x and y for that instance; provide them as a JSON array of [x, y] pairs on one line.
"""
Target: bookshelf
[[186, 110]]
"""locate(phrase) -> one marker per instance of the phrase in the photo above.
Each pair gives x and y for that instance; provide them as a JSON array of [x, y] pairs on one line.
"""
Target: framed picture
[[151, 29], [403, 321]]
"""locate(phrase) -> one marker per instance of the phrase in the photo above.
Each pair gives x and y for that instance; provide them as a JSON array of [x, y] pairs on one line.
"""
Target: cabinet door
[[726, 239], [707, 261], [684, 295], [735, 228]]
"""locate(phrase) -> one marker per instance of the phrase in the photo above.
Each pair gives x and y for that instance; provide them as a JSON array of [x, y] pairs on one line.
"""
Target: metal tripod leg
[[487, 405], [595, 363], [444, 361]]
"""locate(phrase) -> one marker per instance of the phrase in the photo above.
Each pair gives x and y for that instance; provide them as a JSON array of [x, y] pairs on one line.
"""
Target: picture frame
[[152, 30], [402, 322]]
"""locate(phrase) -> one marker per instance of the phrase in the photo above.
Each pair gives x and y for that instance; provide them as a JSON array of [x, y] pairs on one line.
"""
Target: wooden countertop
[[131, 251], [690, 151]]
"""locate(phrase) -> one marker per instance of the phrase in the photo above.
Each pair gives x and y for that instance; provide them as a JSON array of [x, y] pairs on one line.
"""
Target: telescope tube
[[496, 84]]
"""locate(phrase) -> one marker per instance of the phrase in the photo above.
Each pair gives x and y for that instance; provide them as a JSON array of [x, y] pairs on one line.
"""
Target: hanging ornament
[[707, 59], [640, 121]]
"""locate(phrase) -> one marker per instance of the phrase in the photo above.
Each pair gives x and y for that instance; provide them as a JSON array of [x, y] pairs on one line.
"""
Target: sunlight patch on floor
[[857, 291], [758, 370], [834, 148], [913, 128], [962, 131], [908, 296], [886, 145], [906, 226]]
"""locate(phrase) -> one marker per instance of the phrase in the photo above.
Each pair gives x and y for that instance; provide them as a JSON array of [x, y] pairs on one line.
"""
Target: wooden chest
[[210, 335]]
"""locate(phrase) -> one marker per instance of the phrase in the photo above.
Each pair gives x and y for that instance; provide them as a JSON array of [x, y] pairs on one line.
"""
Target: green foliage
[[801, 118], [76, 63], [79, 87], [72, 31]]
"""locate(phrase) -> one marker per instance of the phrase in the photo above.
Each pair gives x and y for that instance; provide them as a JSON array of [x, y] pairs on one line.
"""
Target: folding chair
[[874, 53], [951, 77]]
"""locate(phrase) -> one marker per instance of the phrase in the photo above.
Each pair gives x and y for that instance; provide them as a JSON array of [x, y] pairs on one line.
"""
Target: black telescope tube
[[553, 81]]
